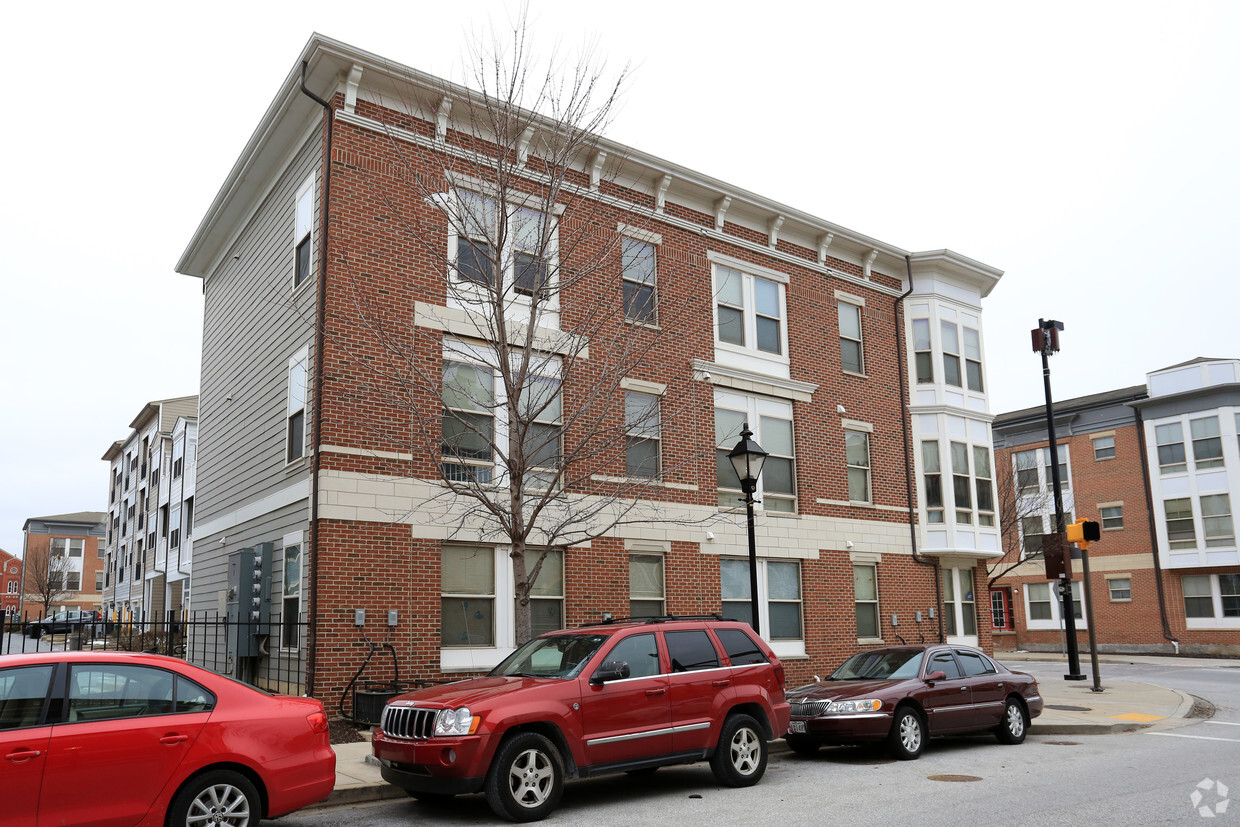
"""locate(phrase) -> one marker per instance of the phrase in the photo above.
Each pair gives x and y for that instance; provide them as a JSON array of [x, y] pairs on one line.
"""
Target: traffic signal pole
[[1046, 342]]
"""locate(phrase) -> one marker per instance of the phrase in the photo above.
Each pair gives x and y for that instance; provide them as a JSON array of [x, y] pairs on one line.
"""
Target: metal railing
[[251, 653]]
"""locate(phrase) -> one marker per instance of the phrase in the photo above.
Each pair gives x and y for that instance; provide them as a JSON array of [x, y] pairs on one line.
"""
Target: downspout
[[312, 632], [1149, 509], [908, 448]]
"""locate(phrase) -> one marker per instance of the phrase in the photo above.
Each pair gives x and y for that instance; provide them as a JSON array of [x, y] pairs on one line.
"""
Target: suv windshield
[[889, 665], [553, 656]]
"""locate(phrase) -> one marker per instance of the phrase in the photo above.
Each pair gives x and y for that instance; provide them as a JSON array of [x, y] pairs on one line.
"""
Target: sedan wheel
[[907, 737], [1012, 730], [219, 797]]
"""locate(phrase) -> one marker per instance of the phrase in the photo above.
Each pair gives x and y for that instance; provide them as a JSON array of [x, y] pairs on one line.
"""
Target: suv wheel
[[740, 758], [526, 778]]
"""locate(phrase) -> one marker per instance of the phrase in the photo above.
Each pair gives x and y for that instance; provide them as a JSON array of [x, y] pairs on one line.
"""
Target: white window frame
[[754, 409], [661, 597], [646, 429], [1200, 464], [748, 274], [1103, 518], [1217, 620], [935, 515], [294, 540], [1101, 447], [1167, 434], [846, 309], [539, 594], [785, 647], [923, 351], [956, 602], [1182, 544], [297, 402], [303, 229], [858, 602], [1056, 618], [1213, 531], [853, 465], [1112, 580], [630, 236]]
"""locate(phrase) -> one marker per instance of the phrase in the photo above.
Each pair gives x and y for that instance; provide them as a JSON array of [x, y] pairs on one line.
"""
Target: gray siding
[[210, 573]]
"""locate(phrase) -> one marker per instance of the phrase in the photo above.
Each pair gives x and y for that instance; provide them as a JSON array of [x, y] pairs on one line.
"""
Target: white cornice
[[747, 381]]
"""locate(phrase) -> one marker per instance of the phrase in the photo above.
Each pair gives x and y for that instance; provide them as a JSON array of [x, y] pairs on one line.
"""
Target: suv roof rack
[[611, 621]]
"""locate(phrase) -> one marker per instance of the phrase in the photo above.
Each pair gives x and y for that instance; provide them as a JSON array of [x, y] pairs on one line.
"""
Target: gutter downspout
[[1149, 509], [908, 448], [312, 632]]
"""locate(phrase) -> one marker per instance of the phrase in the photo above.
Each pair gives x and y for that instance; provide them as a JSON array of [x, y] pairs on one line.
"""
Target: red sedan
[[903, 695], [127, 738]]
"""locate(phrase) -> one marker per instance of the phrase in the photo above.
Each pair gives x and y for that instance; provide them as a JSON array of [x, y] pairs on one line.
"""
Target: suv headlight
[[455, 722], [855, 706]]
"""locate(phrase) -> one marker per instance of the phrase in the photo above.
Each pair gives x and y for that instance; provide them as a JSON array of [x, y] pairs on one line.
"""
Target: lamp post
[[747, 459]]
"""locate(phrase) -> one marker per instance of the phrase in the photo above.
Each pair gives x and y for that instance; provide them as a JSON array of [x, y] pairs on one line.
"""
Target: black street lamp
[[747, 459]]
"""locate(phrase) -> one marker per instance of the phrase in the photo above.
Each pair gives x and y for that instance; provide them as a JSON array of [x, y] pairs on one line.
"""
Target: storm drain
[[1063, 743], [1067, 708], [954, 777]]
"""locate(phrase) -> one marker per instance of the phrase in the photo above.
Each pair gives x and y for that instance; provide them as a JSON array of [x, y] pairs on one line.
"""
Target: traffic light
[[1083, 532]]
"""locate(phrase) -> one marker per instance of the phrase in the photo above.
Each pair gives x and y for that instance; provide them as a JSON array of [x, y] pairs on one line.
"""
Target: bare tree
[[1015, 506], [45, 575], [534, 300]]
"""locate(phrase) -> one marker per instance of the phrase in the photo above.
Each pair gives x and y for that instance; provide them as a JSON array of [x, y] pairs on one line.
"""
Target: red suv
[[627, 696]]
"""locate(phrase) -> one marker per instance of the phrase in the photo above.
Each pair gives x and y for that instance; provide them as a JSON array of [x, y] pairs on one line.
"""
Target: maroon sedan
[[906, 694]]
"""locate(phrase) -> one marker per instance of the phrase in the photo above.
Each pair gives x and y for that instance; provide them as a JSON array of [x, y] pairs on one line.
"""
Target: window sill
[[854, 373], [870, 641], [647, 325], [654, 483], [1121, 599]]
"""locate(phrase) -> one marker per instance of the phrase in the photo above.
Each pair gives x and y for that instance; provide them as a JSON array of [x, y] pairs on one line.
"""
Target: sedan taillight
[[317, 721]]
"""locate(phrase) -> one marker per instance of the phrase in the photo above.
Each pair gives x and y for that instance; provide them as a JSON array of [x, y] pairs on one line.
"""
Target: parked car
[[63, 623], [626, 696], [130, 738], [904, 695]]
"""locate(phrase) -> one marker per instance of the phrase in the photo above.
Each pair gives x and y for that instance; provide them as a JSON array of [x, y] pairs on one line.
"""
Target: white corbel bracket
[[441, 119], [772, 230], [660, 193], [523, 145], [869, 262], [721, 209], [823, 243], [596, 169], [350, 87]]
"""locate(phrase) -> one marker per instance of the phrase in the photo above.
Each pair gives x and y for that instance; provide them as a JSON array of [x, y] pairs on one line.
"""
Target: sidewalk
[[1071, 708]]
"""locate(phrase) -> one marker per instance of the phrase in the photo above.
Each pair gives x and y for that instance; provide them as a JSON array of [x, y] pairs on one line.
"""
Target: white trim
[[746, 381], [855, 425], [459, 180], [277, 499], [849, 298], [642, 386], [364, 452], [748, 267], [639, 233]]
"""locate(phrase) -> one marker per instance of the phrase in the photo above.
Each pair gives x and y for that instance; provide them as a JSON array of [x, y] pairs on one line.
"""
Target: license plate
[[796, 727]]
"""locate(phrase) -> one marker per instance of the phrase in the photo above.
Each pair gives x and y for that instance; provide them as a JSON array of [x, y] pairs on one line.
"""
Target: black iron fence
[[269, 656]]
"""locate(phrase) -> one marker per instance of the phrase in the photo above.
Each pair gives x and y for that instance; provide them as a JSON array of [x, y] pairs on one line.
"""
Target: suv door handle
[[173, 738], [21, 754], [720, 683], [652, 693]]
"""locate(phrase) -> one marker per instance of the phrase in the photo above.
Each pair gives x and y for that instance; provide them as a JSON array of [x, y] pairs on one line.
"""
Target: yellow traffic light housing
[[1083, 532]]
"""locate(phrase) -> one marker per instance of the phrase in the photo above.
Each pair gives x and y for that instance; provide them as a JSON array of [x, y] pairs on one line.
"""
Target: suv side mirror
[[613, 670], [936, 676]]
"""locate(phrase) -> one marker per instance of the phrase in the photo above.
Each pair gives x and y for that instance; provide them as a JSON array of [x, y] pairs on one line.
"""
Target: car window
[[881, 664], [640, 652], [973, 663], [551, 656], [740, 647], [691, 650], [99, 692], [945, 663], [23, 690]]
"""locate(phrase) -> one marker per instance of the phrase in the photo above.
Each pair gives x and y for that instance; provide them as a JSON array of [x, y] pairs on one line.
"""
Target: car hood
[[469, 692], [842, 690]]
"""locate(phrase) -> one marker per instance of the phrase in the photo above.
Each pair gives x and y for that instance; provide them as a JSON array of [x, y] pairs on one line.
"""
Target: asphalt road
[[1134, 778]]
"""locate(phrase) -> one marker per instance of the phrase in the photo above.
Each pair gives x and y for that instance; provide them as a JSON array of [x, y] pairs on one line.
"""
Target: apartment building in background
[[871, 528], [150, 511], [1158, 467], [62, 559]]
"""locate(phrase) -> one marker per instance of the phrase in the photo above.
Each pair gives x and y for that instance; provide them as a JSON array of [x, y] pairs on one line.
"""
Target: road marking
[[1196, 737], [1223, 723]]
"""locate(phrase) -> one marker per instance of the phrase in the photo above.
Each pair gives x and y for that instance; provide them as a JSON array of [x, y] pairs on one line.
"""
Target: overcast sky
[[1089, 150]]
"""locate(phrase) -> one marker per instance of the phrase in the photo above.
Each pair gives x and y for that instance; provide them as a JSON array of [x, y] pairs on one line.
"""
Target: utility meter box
[[249, 600]]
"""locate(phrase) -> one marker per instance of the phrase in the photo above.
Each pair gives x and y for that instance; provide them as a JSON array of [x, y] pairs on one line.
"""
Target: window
[[475, 259], [1033, 470], [302, 224], [865, 593], [296, 430], [547, 593], [99, 692], [640, 652], [1216, 521], [99, 581], [773, 418], [972, 359], [740, 647], [1038, 596], [641, 434], [178, 459], [174, 538], [974, 663], [1031, 530], [290, 633], [529, 228], [961, 482], [154, 479], [467, 588], [933, 479], [691, 650], [1120, 589], [1207, 443], [1180, 530], [779, 595], [73, 581], [1170, 441], [468, 422], [750, 310], [638, 281], [539, 408], [945, 663], [530, 232], [1211, 596], [1001, 610], [984, 485], [951, 353], [188, 520], [58, 546], [1112, 516], [922, 355], [1104, 447], [852, 356], [23, 691], [77, 545], [1026, 471], [958, 603], [12, 587], [857, 453], [646, 588]]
